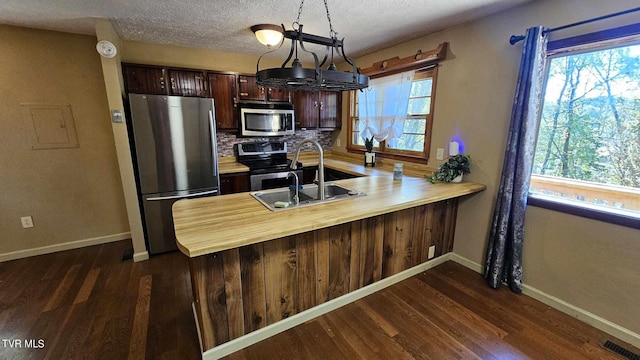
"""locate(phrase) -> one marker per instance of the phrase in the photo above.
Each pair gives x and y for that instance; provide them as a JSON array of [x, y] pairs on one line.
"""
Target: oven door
[[273, 180]]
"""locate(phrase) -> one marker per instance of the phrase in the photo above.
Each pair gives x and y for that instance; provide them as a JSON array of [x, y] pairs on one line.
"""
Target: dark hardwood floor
[[445, 313], [89, 304]]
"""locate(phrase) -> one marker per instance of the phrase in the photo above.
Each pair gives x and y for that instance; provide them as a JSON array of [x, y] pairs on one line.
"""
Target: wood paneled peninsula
[[251, 267]]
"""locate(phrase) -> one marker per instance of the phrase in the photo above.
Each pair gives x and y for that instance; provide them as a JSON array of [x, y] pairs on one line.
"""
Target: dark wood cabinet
[[234, 183], [306, 105], [330, 110], [250, 90], [309, 174], [225, 94], [139, 79], [188, 83], [321, 110], [278, 95]]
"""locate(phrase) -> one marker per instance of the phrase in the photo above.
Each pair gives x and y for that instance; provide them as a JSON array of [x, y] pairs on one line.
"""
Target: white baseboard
[[563, 306], [141, 256], [286, 324], [466, 263], [65, 246]]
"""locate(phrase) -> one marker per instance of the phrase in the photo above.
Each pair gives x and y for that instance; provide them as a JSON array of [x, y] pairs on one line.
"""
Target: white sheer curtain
[[382, 108]]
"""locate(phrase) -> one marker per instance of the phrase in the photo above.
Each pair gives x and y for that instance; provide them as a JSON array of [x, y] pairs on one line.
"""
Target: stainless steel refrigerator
[[176, 157]]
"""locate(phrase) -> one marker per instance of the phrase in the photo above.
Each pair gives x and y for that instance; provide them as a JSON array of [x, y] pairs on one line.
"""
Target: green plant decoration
[[368, 144], [454, 166]]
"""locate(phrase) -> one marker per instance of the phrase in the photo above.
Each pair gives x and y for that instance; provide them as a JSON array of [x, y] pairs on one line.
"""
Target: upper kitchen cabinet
[[306, 108], [224, 92], [318, 110], [330, 110], [188, 83], [250, 90], [278, 95], [139, 79]]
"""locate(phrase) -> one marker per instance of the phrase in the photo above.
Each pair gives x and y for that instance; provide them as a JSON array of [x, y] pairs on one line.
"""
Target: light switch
[[440, 154]]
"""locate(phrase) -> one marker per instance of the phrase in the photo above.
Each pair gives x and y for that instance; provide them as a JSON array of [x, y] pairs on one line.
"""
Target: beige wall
[[590, 264], [72, 194], [177, 56]]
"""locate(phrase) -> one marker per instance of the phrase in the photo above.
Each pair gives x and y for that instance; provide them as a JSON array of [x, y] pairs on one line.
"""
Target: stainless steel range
[[268, 165]]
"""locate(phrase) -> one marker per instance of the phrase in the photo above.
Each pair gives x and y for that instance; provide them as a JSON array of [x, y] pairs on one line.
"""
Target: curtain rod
[[517, 38]]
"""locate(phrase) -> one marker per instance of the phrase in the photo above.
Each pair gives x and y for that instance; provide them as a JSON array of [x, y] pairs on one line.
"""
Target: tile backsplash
[[227, 140]]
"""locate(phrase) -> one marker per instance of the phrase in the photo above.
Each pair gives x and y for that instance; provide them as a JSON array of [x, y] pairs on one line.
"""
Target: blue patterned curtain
[[503, 261]]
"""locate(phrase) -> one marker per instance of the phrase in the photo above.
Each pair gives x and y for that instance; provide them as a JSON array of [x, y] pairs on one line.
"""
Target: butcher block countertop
[[228, 165], [211, 224]]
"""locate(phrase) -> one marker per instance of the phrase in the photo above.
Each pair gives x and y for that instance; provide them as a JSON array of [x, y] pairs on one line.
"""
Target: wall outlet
[[432, 252], [338, 142], [27, 222], [440, 154]]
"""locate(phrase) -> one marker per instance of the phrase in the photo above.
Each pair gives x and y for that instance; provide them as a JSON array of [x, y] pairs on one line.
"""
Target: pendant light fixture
[[291, 75]]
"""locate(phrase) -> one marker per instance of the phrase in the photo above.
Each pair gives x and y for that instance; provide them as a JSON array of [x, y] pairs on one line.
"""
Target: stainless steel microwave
[[266, 119]]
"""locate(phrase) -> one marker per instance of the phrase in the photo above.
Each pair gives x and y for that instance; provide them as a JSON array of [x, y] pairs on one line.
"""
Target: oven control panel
[[259, 148]]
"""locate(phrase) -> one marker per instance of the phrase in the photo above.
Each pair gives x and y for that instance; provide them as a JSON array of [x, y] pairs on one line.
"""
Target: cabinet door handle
[[173, 83], [315, 104], [235, 102], [244, 94], [321, 105], [162, 83], [242, 80]]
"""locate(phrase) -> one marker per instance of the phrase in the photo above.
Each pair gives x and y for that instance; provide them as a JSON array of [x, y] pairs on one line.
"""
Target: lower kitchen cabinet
[[309, 174], [234, 183]]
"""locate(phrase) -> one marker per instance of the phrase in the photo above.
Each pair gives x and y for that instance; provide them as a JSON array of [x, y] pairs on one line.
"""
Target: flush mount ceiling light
[[296, 77], [268, 34]]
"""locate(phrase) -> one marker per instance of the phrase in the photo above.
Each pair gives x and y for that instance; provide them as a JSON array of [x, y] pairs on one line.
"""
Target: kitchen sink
[[307, 195]]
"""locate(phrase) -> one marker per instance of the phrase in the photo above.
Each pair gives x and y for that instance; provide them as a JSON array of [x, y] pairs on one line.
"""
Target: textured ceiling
[[366, 25]]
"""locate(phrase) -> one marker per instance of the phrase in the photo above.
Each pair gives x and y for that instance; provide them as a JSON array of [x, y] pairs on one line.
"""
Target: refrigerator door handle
[[214, 140], [181, 196]]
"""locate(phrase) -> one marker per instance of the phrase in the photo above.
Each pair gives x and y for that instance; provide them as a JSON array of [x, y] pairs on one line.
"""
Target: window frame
[[381, 149], [601, 40]]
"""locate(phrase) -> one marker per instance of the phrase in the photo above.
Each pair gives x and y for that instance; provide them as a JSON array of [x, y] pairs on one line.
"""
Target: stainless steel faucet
[[296, 197], [294, 165]]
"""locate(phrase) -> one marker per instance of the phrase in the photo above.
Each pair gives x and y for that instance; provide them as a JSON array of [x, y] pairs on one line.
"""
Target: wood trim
[[404, 155], [395, 65], [583, 211], [262, 284], [557, 46]]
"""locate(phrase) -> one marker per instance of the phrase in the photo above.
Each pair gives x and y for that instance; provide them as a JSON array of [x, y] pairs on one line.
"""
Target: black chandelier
[[296, 77]]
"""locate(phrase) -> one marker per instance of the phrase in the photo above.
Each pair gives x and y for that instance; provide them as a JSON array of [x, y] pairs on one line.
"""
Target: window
[[587, 158], [415, 141]]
